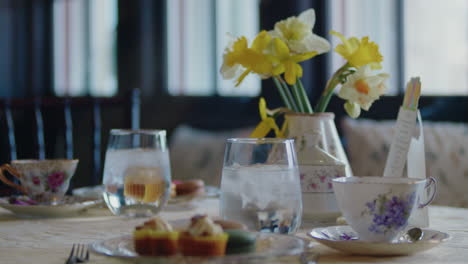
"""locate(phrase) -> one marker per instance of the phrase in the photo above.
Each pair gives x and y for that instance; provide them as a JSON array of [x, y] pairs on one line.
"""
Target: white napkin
[[416, 168], [404, 130]]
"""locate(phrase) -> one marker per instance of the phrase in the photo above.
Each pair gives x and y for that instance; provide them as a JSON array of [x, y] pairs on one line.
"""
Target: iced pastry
[[156, 238], [144, 184], [203, 238]]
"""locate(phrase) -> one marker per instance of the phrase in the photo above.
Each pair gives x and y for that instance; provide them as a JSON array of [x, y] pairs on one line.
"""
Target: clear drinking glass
[[137, 173], [260, 185]]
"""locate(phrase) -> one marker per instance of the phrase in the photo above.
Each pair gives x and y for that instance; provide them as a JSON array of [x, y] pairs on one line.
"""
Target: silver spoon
[[414, 234]]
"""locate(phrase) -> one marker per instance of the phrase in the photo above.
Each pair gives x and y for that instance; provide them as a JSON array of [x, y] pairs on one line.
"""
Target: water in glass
[[266, 195], [136, 180]]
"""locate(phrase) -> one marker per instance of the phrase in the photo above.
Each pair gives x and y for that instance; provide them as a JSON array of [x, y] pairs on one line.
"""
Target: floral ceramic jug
[[321, 158]]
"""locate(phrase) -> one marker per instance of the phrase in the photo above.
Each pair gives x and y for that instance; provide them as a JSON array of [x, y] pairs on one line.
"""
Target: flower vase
[[321, 158]]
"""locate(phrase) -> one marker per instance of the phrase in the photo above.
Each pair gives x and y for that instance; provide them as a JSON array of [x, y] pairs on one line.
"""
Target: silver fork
[[78, 254]]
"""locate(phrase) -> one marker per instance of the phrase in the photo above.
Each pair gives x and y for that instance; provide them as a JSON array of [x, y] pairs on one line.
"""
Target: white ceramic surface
[[345, 239], [378, 208], [70, 207]]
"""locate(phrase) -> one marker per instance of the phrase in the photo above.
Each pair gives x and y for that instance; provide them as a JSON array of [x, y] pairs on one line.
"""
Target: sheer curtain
[[84, 36], [197, 33], [427, 38]]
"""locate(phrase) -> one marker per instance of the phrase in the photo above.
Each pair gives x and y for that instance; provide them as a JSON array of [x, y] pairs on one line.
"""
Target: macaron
[[240, 242], [229, 224], [190, 187]]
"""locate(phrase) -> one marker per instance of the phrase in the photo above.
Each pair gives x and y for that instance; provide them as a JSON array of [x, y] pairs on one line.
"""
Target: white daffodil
[[362, 89], [297, 33]]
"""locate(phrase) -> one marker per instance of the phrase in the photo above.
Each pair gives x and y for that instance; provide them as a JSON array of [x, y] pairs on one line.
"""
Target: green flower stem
[[289, 95], [304, 98], [328, 92], [297, 98], [282, 93]]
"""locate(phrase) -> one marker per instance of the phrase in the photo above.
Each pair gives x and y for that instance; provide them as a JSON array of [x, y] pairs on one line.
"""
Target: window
[[84, 36], [436, 45], [196, 38], [427, 38], [375, 19]]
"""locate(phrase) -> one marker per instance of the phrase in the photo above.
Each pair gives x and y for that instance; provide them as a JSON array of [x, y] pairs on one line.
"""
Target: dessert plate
[[68, 207], [267, 246], [345, 239]]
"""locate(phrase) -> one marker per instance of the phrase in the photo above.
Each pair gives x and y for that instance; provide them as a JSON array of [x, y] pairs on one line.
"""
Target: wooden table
[[48, 241]]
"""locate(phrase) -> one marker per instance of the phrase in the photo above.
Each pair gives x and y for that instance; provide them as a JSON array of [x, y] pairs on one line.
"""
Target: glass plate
[[96, 193], [267, 246]]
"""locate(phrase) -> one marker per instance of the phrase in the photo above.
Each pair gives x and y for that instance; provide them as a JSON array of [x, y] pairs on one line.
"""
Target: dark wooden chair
[[74, 127]]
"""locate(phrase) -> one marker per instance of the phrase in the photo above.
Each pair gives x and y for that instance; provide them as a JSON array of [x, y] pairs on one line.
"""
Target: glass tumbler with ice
[[260, 185], [137, 173]]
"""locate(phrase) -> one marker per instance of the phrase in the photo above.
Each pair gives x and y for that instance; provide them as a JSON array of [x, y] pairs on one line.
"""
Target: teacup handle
[[432, 186], [13, 172]]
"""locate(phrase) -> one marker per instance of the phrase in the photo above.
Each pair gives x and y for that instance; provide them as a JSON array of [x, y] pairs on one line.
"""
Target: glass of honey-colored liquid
[[137, 172]]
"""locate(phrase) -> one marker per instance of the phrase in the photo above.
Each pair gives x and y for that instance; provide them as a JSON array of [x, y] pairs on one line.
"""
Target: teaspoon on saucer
[[414, 234]]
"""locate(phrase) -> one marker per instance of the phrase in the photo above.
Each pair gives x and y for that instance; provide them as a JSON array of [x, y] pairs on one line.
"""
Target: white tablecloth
[[48, 241]]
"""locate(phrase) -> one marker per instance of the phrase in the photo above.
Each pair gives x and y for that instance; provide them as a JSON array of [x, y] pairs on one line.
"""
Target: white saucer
[[70, 206], [345, 239]]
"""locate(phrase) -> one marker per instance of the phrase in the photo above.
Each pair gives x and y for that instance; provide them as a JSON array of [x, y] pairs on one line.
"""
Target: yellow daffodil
[[288, 63], [267, 124], [231, 69], [277, 53], [362, 89], [297, 33], [238, 57], [359, 52]]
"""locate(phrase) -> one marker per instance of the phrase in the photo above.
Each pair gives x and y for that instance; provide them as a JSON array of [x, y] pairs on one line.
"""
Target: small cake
[[155, 238], [203, 238], [144, 184], [190, 187]]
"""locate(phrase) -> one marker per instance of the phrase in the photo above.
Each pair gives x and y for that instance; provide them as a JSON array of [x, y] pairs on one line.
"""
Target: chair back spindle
[[68, 129], [11, 130], [39, 129], [135, 109], [96, 142], [42, 110]]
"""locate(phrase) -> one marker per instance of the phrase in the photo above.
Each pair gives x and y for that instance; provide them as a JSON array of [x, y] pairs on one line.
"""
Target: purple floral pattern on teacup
[[389, 212], [36, 180], [55, 180]]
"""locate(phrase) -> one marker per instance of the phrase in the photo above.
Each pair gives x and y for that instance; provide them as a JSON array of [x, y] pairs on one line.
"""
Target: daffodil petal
[[271, 122], [308, 17], [260, 42], [280, 48], [353, 109], [279, 69], [298, 70], [262, 108], [290, 73], [304, 56], [261, 130], [242, 77]]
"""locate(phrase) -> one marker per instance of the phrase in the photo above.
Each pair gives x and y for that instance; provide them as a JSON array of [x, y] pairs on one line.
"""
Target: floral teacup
[[378, 208], [42, 180]]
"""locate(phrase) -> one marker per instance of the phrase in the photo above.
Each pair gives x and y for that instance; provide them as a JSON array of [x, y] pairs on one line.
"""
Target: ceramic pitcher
[[321, 158]]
